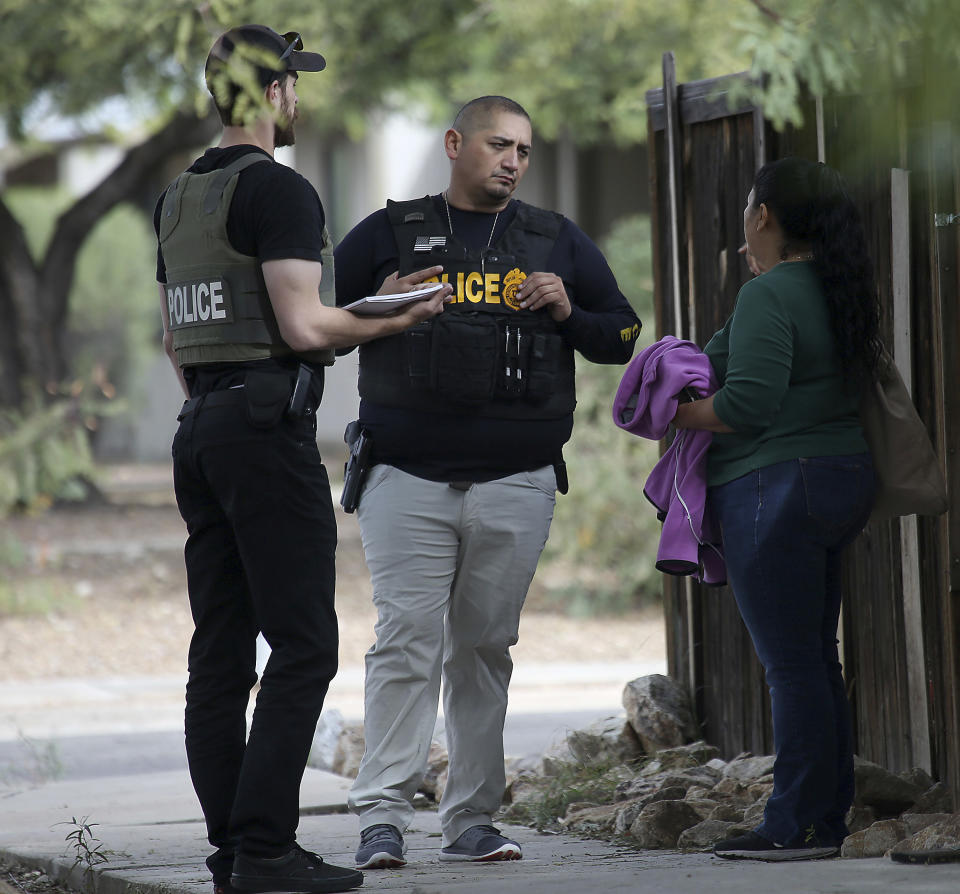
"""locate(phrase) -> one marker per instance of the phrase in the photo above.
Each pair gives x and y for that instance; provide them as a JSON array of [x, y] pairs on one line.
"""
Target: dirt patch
[[101, 591]]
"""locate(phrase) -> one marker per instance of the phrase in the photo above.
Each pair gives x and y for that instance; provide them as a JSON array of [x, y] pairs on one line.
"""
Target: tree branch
[[768, 12], [184, 131], [20, 311], [14, 251]]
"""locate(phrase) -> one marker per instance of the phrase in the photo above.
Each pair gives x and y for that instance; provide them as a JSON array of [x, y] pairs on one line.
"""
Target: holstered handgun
[[356, 468]]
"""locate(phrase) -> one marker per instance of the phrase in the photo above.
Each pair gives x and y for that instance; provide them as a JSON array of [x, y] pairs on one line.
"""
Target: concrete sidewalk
[[55, 708], [150, 828]]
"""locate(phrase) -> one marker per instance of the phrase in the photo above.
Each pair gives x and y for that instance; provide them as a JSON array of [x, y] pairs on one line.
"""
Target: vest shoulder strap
[[211, 201], [173, 197], [539, 220], [412, 212], [417, 212]]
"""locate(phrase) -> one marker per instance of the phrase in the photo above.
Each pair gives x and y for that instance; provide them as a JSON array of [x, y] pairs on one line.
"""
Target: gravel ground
[[16, 878], [100, 590]]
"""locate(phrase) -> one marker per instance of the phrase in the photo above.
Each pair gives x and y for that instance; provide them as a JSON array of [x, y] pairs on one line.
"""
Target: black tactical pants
[[259, 557]]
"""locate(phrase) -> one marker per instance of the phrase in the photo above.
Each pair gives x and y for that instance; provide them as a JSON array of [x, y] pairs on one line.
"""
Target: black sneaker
[[755, 847], [381, 847], [297, 872], [947, 855], [481, 844]]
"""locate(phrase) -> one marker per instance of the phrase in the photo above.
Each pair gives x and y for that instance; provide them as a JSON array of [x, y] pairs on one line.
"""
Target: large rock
[[659, 824], [596, 822], [912, 832], [349, 751], [703, 806], [886, 792], [859, 818], [524, 793], [936, 799], [730, 789], [919, 777], [943, 835], [753, 815], [642, 784], [632, 789], [704, 835], [325, 739], [435, 777], [669, 793], [518, 767], [749, 769], [627, 812], [658, 709], [727, 813], [631, 808], [917, 822], [611, 740], [875, 840], [696, 754]]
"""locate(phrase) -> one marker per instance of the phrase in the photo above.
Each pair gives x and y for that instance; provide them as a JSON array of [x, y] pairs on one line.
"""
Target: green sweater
[[781, 387]]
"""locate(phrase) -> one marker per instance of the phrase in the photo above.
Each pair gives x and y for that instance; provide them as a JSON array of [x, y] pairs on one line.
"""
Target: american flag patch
[[426, 243]]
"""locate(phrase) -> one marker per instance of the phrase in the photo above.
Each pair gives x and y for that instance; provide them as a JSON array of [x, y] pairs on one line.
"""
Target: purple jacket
[[644, 405]]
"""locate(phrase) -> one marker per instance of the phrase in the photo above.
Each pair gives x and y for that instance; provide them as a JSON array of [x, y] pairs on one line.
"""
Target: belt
[[212, 399]]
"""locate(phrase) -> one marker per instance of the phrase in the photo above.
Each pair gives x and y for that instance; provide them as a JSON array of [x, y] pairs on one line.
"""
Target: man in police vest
[[467, 415], [250, 325]]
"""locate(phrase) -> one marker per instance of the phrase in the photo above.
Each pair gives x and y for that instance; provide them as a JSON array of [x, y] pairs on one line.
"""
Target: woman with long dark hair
[[791, 482]]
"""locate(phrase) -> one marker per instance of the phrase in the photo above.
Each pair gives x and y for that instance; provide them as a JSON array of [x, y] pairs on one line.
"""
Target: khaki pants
[[450, 571]]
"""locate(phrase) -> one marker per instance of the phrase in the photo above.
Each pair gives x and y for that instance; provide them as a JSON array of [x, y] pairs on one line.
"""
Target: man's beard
[[283, 130], [499, 191]]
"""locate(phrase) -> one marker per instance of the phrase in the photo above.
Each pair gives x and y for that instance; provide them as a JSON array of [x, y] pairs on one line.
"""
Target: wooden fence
[[900, 626]]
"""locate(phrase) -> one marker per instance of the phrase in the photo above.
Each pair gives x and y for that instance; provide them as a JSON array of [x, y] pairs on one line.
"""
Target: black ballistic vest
[[484, 354]]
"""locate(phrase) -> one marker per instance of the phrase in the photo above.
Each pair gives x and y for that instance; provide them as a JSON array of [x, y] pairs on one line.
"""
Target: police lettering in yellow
[[198, 302], [473, 287]]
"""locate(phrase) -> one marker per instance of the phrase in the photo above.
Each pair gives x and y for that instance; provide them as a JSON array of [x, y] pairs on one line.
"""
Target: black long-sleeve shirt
[[445, 447]]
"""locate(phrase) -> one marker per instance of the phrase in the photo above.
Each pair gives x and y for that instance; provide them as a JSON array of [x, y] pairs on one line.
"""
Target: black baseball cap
[[266, 46]]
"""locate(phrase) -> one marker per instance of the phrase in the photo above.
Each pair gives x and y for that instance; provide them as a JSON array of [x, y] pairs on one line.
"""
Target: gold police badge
[[511, 282]]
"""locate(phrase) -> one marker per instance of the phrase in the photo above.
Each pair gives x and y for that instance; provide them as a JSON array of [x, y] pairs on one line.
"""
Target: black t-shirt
[[448, 447], [275, 214]]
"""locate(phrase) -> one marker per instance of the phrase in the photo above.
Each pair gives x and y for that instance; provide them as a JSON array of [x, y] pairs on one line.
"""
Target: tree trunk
[[34, 297]]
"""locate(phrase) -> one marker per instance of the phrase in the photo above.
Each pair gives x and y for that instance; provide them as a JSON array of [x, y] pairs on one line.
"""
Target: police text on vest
[[196, 303]]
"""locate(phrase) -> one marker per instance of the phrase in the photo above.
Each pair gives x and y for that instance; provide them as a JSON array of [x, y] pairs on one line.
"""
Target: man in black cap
[[250, 324]]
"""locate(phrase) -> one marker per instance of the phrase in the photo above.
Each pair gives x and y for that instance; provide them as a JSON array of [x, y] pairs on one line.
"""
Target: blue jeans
[[784, 527]]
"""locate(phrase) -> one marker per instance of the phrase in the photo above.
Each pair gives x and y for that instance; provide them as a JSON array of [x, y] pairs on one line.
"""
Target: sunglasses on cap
[[294, 42]]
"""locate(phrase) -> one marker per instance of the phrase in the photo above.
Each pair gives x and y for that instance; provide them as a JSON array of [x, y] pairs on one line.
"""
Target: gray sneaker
[[481, 844], [381, 847]]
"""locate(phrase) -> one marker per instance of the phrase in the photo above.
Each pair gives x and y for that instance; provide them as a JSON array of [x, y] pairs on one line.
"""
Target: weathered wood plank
[[945, 320], [700, 101], [903, 356]]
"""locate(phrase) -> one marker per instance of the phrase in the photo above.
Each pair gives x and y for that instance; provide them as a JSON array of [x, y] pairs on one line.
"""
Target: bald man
[[467, 417]]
